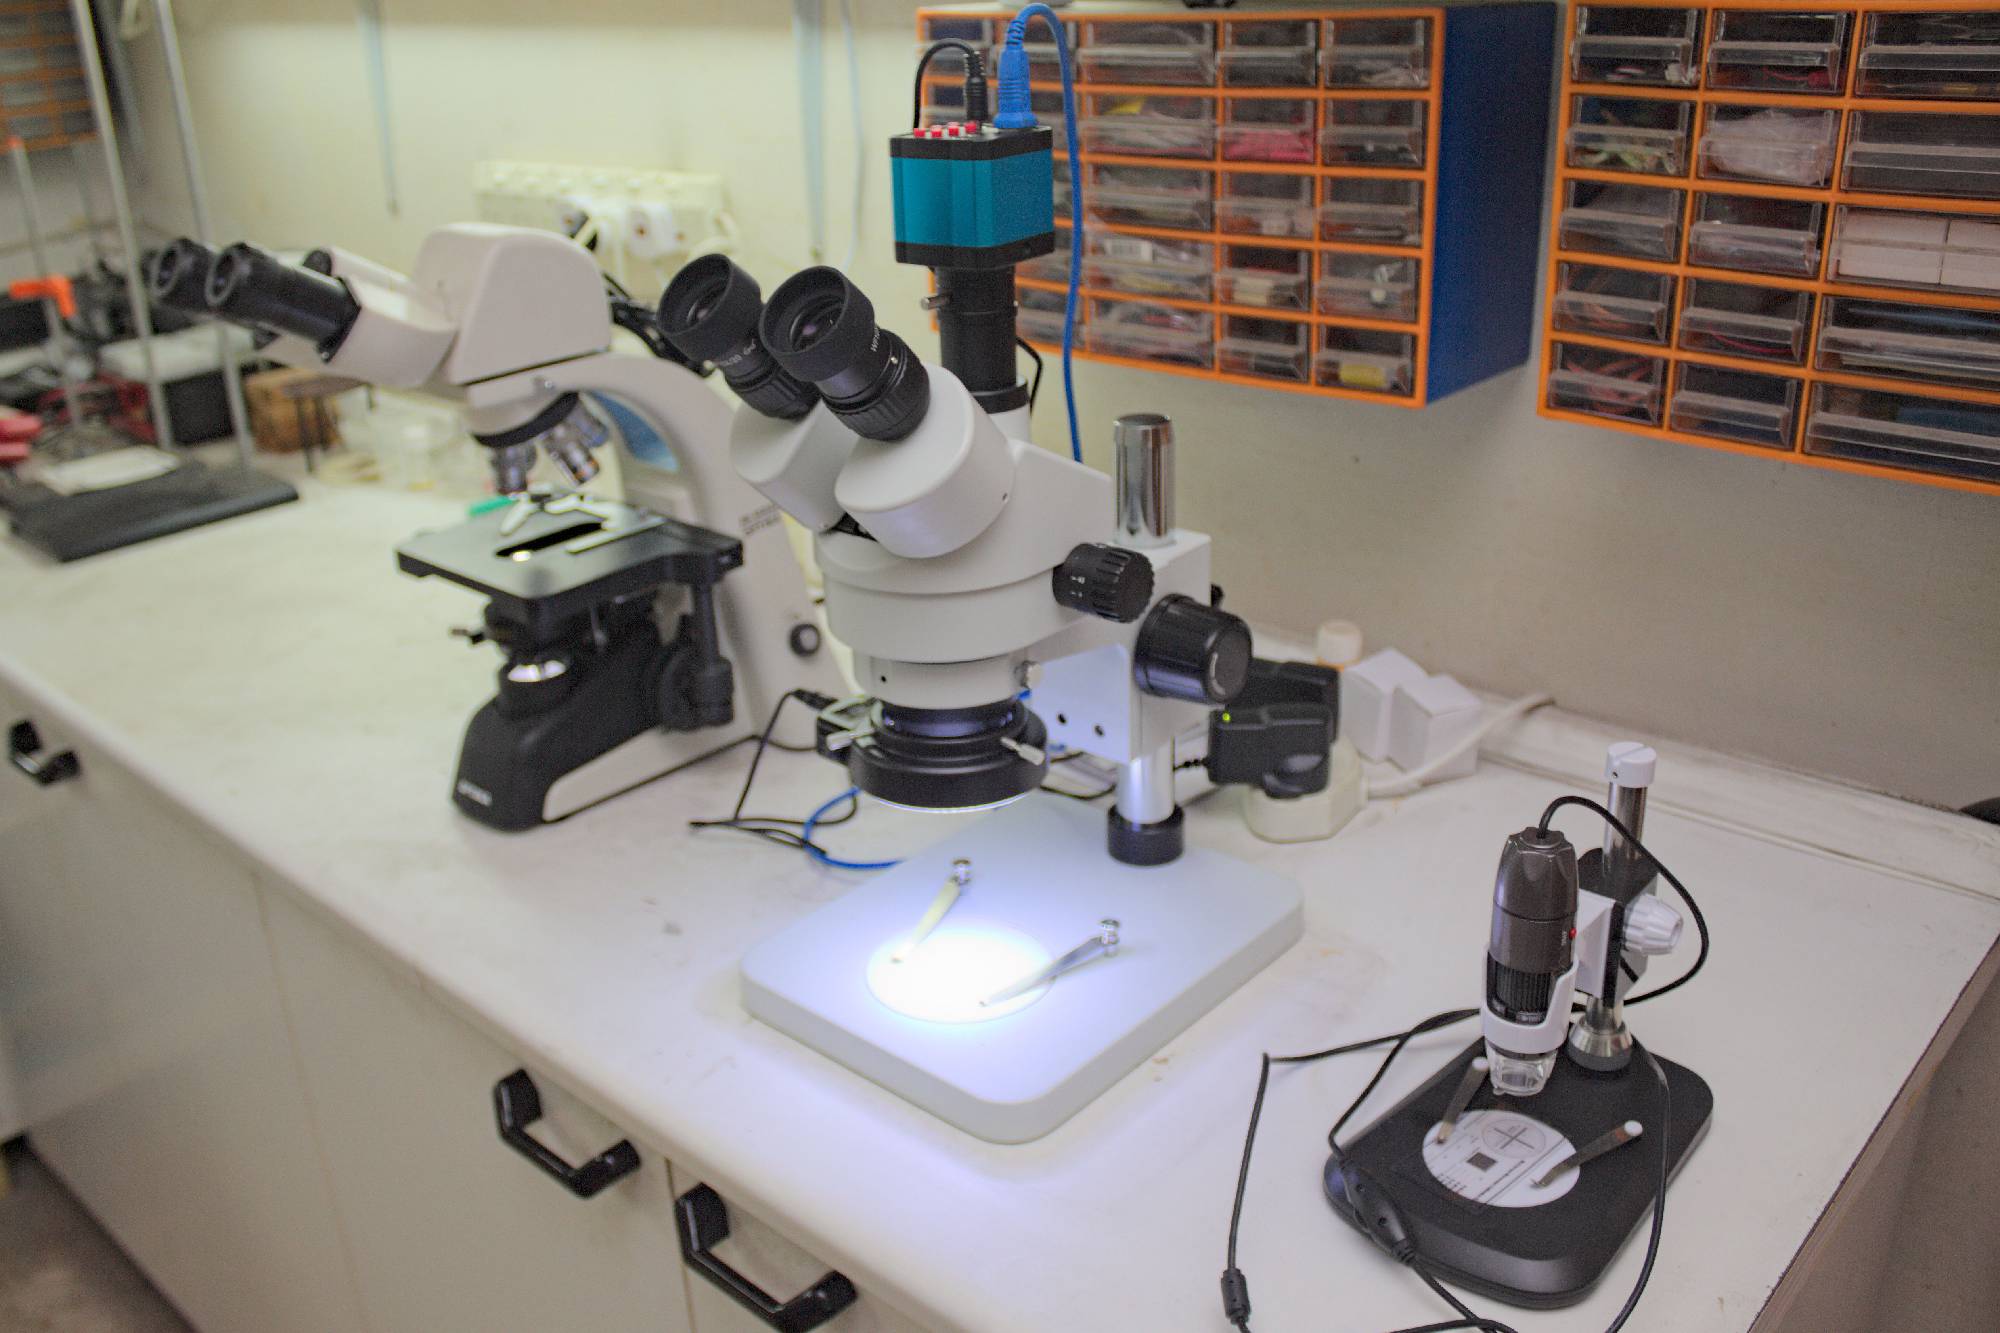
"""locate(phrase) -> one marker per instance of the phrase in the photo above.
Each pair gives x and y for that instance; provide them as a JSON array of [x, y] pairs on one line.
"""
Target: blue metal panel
[[1493, 143], [972, 203]]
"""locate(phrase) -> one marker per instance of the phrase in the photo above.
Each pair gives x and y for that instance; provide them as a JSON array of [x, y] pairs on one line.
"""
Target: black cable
[[1257, 1108], [1694, 908], [975, 66], [1431, 1024], [1035, 387], [763, 743], [641, 322]]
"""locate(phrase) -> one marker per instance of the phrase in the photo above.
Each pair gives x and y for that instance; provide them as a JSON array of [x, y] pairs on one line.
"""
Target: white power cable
[[807, 45], [861, 145], [1417, 777]]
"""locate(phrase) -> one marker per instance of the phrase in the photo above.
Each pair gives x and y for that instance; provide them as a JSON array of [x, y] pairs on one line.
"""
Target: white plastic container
[[408, 439], [1429, 717], [1365, 693]]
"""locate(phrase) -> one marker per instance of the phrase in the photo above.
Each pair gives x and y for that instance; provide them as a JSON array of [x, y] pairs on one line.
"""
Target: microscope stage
[[1189, 933]]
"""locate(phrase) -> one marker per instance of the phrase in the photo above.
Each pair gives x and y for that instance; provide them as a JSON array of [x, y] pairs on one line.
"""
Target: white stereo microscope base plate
[[1189, 934]]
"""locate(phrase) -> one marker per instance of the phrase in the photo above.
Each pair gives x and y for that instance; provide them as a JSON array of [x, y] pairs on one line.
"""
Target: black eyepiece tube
[[709, 313], [179, 274], [248, 286], [822, 329]]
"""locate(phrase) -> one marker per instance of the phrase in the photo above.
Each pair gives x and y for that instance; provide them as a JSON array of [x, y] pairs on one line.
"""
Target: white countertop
[[277, 677]]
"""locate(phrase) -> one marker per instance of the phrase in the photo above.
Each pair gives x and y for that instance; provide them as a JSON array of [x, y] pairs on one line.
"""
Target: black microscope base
[[1551, 1255]]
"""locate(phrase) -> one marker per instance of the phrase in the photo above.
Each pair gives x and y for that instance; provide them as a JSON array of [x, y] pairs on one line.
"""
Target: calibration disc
[[1494, 1157]]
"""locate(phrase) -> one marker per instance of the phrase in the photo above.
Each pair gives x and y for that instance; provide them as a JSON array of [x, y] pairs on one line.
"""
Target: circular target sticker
[[1495, 1157]]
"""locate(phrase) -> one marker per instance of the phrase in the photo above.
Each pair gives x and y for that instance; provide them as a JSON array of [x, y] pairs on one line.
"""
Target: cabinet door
[[453, 1231], [56, 1041], [760, 1254], [158, 1076]]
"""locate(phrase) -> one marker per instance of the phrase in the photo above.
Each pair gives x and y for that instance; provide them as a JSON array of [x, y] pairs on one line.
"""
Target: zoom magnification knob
[[1189, 651], [1108, 582]]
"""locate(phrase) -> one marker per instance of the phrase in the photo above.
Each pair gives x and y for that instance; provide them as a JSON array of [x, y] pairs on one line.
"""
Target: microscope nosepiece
[[511, 466], [569, 444]]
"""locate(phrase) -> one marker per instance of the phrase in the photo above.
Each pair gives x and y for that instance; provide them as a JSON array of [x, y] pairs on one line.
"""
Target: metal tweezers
[[1104, 944]]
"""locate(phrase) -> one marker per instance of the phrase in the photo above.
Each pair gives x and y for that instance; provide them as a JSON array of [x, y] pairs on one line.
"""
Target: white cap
[[1631, 764], [1651, 926], [1339, 643]]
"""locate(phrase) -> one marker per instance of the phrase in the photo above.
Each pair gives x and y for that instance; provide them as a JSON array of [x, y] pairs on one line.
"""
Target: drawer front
[[760, 1256], [451, 1229]]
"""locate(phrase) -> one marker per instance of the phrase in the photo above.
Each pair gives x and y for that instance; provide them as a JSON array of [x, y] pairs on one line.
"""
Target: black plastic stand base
[[1551, 1255]]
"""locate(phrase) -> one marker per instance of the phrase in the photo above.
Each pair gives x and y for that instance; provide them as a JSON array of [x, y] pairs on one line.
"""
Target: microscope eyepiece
[[709, 312], [179, 274], [248, 286], [822, 329]]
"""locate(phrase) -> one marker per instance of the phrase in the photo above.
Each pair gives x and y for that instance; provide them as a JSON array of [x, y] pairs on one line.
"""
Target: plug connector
[[1014, 112]]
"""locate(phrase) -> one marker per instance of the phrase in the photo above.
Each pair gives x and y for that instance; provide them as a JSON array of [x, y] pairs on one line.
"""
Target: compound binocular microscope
[[1003, 602], [627, 652]]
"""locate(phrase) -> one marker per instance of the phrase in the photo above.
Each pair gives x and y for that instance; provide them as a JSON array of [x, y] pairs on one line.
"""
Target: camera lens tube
[[822, 329], [709, 312]]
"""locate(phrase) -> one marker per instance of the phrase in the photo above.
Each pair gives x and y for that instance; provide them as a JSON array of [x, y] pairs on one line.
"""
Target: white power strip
[[649, 215]]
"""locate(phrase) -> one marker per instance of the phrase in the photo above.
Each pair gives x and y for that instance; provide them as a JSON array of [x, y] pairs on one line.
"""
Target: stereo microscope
[[627, 653], [1003, 602]]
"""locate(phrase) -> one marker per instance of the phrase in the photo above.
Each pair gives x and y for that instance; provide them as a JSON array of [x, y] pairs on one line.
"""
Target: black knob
[[1193, 652], [1109, 582]]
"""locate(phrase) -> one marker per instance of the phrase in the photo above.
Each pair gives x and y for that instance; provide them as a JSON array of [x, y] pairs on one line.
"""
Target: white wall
[[1837, 624]]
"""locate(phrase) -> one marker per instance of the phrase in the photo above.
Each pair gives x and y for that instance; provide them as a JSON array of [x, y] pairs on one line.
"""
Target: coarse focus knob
[[1651, 926], [1189, 651], [1106, 581]]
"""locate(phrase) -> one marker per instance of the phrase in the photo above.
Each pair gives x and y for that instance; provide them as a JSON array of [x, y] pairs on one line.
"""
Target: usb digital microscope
[[1508, 1172], [1002, 602], [627, 652]]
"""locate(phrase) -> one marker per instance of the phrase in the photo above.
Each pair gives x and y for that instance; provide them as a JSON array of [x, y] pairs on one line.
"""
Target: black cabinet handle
[[24, 750], [703, 1220], [517, 1104]]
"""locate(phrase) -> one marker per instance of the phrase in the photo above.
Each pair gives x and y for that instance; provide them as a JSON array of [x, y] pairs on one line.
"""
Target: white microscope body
[[946, 601], [1000, 600], [513, 324]]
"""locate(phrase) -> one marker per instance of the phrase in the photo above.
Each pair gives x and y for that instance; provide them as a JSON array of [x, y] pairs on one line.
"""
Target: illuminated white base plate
[[1189, 934]]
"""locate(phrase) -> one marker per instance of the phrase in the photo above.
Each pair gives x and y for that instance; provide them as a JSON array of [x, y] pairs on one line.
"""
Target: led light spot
[[945, 978]]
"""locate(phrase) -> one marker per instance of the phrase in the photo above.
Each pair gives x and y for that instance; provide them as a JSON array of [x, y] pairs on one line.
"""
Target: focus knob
[[1651, 926], [1109, 582], [1189, 651]]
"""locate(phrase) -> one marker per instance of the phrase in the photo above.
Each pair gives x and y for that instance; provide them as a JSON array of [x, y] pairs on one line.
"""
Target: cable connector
[[1015, 112], [976, 95], [1235, 1297]]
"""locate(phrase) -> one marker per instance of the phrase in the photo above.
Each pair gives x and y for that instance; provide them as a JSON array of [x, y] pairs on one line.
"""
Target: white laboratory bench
[[261, 978]]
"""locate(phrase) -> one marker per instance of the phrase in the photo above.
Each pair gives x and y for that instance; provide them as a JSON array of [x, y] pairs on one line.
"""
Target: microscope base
[[1538, 1254], [1189, 934]]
